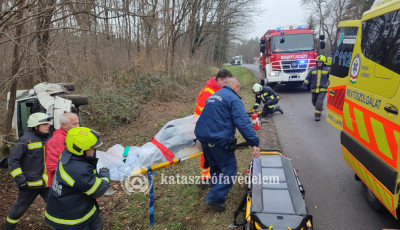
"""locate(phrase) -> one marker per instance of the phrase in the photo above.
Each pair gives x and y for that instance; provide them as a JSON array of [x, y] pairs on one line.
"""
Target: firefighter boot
[[317, 116], [278, 109], [10, 226], [268, 112]]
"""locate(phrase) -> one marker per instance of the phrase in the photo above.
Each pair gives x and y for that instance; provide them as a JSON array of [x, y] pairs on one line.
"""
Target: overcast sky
[[277, 13]]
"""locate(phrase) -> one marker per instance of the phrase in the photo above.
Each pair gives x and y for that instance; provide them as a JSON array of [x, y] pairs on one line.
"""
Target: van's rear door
[[339, 74]]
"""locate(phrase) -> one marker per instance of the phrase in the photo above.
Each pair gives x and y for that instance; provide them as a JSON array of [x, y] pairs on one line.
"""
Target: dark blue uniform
[[269, 97], [72, 197], [27, 167], [223, 113]]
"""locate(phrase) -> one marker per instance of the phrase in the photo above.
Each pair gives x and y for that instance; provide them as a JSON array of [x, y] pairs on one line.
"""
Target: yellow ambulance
[[364, 100]]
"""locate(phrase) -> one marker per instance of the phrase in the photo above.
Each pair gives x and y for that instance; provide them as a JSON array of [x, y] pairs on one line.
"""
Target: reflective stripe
[[16, 172], [105, 178], [65, 176], [94, 187], [362, 129], [272, 97], [35, 145], [199, 107], [347, 118], [71, 222], [35, 183], [318, 81], [12, 221], [306, 81], [271, 106], [209, 90], [45, 178], [380, 138], [317, 111], [256, 104]]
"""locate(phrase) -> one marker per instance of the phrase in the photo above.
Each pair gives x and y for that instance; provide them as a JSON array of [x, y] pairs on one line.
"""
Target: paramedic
[[26, 163], [76, 186], [318, 77], [212, 86], [215, 129], [56, 145]]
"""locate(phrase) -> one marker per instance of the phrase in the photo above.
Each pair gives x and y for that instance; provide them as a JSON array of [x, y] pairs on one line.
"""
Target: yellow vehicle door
[[339, 74]]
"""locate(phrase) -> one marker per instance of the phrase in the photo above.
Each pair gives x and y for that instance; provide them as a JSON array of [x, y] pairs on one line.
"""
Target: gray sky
[[277, 13]]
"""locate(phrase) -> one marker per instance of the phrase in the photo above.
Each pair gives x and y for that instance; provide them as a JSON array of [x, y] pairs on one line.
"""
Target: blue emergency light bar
[[280, 28], [302, 27]]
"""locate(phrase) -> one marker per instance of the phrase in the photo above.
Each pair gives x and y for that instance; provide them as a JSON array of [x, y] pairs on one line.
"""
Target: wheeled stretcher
[[275, 196]]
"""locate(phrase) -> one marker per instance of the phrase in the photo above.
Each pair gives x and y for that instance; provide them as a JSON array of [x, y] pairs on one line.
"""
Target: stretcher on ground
[[275, 196]]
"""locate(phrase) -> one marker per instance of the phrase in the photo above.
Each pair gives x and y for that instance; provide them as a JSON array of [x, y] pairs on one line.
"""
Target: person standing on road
[[27, 167], [212, 86], [269, 97], [76, 186], [215, 129], [318, 77], [56, 145]]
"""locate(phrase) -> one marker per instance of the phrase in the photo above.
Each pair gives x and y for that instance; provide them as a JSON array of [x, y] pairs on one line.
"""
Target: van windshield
[[293, 43]]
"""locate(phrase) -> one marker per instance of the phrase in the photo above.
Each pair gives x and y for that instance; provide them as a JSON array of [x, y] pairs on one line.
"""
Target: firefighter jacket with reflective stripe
[[26, 160], [210, 88], [223, 113], [72, 197], [267, 93], [54, 147], [318, 77]]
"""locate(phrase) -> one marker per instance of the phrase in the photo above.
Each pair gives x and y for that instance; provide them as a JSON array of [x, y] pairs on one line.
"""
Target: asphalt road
[[333, 197]]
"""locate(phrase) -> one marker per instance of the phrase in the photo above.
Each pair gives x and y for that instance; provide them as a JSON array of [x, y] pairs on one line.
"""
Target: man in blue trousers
[[223, 113]]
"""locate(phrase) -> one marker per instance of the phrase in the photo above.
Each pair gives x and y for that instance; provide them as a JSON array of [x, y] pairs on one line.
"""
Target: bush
[[119, 100]]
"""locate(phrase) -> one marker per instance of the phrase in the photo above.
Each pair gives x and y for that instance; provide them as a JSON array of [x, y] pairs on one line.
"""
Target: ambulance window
[[344, 45], [380, 40]]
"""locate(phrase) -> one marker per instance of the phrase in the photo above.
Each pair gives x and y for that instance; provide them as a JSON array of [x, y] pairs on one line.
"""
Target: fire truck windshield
[[293, 43]]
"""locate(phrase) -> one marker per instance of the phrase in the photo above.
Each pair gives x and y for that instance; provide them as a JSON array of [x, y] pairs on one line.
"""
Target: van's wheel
[[77, 100], [372, 200]]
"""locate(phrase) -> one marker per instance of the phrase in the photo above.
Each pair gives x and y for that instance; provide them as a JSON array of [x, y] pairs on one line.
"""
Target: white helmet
[[38, 119], [257, 88]]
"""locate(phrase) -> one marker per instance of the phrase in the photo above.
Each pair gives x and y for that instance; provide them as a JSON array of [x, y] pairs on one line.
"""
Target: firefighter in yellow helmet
[[318, 78], [76, 185], [26, 165]]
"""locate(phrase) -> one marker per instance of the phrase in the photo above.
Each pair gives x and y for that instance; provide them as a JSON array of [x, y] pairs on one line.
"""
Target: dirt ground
[[137, 133]]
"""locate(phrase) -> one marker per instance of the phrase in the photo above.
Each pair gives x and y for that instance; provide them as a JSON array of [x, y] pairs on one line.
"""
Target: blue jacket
[[223, 113]]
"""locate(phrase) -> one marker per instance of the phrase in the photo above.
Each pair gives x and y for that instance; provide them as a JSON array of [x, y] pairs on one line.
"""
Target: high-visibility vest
[[204, 94]]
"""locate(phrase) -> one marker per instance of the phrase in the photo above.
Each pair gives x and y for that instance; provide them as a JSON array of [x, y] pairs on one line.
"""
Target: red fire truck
[[287, 54]]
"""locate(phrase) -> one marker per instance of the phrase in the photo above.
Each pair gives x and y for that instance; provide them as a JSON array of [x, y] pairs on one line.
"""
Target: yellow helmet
[[80, 139], [321, 58], [36, 119], [329, 61], [257, 88]]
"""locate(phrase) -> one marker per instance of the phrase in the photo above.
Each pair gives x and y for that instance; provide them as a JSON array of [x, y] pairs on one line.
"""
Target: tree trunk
[[14, 83], [43, 37]]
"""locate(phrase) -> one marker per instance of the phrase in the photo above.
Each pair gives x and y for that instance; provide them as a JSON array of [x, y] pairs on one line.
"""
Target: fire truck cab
[[286, 55]]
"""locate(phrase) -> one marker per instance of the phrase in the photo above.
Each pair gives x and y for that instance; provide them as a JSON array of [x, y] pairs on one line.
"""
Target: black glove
[[23, 185], [104, 172], [304, 85]]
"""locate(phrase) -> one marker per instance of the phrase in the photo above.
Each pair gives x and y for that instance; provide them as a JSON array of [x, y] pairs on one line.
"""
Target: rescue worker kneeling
[[269, 97], [76, 185]]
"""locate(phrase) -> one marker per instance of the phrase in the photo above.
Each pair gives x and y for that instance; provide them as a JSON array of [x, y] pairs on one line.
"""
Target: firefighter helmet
[[321, 58], [329, 61], [36, 119], [257, 88], [80, 139]]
